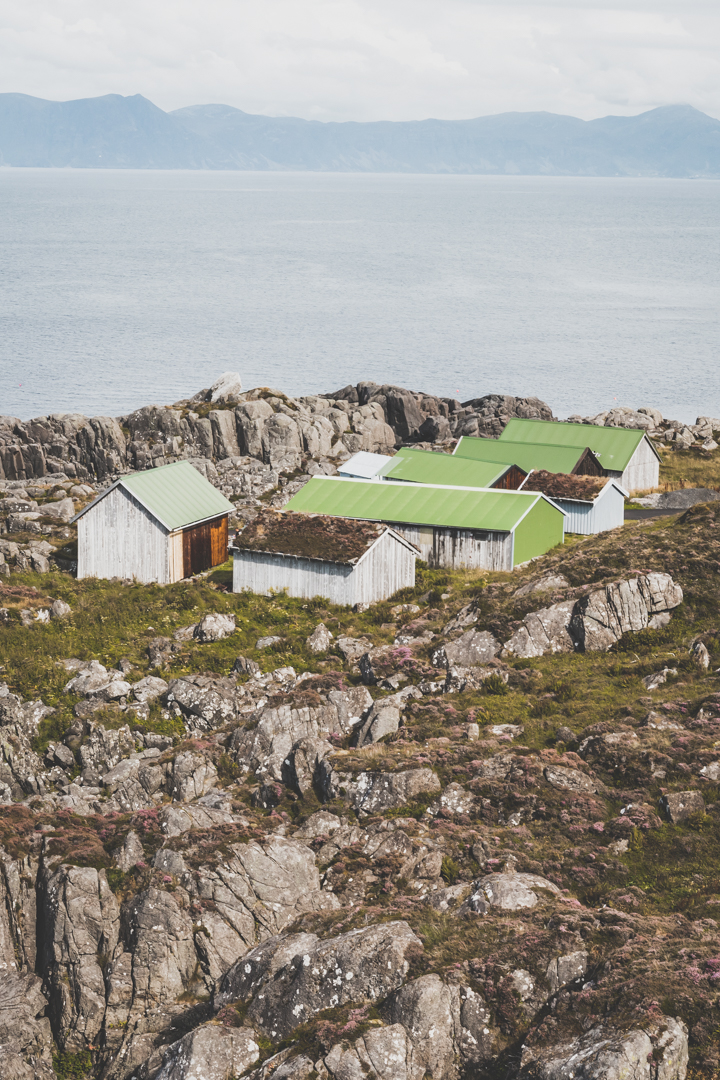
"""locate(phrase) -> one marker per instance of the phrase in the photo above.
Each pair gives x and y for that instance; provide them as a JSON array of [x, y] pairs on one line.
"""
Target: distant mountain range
[[115, 132]]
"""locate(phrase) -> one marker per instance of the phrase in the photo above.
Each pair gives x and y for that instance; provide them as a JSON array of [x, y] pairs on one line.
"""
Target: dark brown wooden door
[[205, 546]]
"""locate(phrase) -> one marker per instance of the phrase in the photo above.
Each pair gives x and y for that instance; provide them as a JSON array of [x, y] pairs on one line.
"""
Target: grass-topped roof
[[310, 536]]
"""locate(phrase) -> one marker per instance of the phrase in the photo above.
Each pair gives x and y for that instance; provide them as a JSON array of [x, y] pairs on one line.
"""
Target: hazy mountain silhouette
[[130, 132]]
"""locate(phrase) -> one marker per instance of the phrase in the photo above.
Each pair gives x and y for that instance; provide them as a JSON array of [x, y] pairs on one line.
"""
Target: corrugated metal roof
[[177, 495], [614, 446], [527, 456], [415, 504], [364, 465], [426, 467]]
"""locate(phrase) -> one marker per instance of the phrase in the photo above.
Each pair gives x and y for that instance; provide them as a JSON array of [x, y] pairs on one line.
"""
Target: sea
[[125, 288]]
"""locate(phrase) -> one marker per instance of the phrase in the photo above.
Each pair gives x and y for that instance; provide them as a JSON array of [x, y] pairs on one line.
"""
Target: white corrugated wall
[[643, 470], [607, 512], [119, 538]]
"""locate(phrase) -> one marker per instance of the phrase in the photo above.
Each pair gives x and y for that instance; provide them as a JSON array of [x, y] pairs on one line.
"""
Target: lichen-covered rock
[[543, 631], [25, 1034], [570, 779], [265, 747], [509, 891], [473, 649], [359, 966], [680, 805], [149, 688], [193, 776], [565, 969], [320, 640], [374, 792], [79, 922], [204, 702], [446, 1026], [382, 720], [660, 1053], [602, 617], [214, 627], [300, 766], [159, 937], [210, 1052]]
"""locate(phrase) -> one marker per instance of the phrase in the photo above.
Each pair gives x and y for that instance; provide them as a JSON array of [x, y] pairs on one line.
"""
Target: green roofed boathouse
[[453, 527], [626, 454], [160, 525], [531, 457], [429, 467]]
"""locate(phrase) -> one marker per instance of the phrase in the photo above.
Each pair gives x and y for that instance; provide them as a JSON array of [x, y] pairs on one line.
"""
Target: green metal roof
[[177, 495], [613, 446], [555, 459], [426, 467], [415, 504]]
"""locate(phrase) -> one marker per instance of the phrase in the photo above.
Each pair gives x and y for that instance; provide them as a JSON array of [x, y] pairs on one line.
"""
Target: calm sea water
[[119, 289]]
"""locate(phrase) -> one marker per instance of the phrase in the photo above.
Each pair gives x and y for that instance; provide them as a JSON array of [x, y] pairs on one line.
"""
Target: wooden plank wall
[[512, 479], [457, 549], [204, 546], [119, 538], [262, 572]]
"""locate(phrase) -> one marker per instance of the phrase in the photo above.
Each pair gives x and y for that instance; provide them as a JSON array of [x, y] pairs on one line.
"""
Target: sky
[[369, 59]]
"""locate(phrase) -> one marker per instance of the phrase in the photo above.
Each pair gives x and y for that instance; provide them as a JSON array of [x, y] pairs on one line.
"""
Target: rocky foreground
[[468, 833]]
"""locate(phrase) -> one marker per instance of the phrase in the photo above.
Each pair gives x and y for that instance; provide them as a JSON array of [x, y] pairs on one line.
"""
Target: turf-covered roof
[[527, 456], [427, 467], [614, 446], [566, 486], [415, 504], [177, 495], [311, 536]]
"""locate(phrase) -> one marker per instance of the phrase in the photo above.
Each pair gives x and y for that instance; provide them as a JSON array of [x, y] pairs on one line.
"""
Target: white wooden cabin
[[590, 504], [307, 555], [160, 525]]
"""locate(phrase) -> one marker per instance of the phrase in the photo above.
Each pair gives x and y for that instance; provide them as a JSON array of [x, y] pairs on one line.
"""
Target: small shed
[[626, 454], [160, 525], [429, 467], [579, 460], [591, 504], [363, 465], [453, 527], [347, 562]]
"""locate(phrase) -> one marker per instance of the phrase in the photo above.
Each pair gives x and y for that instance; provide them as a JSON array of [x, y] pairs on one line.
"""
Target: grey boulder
[[543, 631], [606, 1054], [508, 891], [214, 627], [680, 805], [210, 1052], [472, 649], [359, 966], [320, 640]]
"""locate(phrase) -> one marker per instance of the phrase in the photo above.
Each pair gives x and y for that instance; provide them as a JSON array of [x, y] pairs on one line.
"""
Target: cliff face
[[262, 424]]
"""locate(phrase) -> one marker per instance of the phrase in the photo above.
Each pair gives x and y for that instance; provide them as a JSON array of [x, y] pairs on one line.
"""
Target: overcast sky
[[369, 59]]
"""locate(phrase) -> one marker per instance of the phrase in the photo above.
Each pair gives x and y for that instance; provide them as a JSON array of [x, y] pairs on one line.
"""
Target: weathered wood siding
[[388, 566], [456, 549], [642, 472], [588, 465], [607, 512], [119, 538]]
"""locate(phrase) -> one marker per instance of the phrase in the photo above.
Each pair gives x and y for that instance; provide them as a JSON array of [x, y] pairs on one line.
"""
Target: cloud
[[367, 59]]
